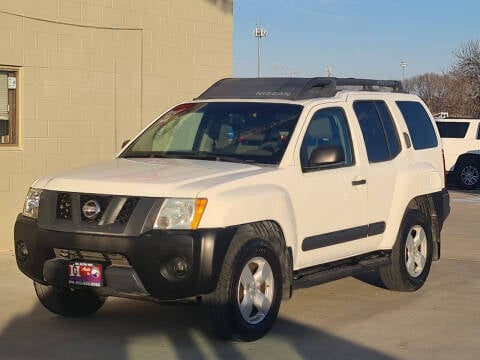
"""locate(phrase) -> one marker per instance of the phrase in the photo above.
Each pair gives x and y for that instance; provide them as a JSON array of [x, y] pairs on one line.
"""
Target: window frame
[[13, 123], [304, 167]]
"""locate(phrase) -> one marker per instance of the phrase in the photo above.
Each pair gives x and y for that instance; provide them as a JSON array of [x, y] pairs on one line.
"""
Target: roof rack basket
[[293, 88]]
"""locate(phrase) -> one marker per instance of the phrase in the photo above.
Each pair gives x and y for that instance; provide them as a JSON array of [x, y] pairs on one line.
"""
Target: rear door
[[385, 161]]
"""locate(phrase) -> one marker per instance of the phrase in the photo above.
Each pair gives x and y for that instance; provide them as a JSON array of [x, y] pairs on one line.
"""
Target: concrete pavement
[[353, 318]]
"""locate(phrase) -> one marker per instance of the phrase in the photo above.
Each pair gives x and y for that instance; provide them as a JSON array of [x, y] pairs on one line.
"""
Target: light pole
[[403, 64], [259, 33]]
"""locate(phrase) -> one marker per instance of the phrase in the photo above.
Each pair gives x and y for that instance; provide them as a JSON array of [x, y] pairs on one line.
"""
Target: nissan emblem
[[91, 209]]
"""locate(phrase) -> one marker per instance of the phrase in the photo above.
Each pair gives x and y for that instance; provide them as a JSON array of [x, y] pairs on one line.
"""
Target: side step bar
[[334, 271]]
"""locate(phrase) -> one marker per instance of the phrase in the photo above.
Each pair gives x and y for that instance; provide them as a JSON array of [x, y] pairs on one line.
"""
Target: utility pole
[[259, 33], [403, 64]]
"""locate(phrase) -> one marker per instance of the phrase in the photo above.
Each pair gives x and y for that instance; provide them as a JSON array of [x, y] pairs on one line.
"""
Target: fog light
[[22, 251], [180, 266], [175, 269]]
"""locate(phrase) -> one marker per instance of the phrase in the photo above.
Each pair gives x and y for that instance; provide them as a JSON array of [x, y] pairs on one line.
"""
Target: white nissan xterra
[[255, 188]]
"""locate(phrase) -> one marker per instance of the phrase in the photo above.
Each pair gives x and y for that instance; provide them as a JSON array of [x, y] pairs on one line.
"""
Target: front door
[[330, 200]]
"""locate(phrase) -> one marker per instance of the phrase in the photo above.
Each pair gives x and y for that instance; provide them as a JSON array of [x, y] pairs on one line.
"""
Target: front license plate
[[85, 274]]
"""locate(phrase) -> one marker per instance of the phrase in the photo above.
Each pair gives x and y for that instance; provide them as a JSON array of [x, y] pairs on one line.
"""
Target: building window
[[8, 108]]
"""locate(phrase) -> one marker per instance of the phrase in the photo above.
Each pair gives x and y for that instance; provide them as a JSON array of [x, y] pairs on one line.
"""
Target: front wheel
[[68, 302], [245, 304], [468, 175], [411, 255]]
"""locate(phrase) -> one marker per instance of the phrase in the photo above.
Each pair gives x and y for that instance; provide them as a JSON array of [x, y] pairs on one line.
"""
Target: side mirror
[[125, 142], [326, 155]]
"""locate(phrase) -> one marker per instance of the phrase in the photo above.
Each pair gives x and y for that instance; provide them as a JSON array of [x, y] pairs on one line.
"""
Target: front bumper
[[147, 255]]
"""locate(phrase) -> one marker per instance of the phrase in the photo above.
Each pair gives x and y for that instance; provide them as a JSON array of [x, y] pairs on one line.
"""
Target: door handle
[[359, 182]]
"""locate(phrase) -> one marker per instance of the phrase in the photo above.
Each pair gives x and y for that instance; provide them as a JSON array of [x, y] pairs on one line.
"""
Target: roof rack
[[293, 88]]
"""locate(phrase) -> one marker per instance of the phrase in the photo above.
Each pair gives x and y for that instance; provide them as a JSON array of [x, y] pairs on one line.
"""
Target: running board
[[334, 271]]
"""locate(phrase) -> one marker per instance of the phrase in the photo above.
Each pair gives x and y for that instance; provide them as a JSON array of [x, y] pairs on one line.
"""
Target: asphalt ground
[[353, 318]]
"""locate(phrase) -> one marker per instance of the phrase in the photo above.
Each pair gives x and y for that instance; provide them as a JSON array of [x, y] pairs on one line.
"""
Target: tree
[[441, 92], [467, 69], [456, 92]]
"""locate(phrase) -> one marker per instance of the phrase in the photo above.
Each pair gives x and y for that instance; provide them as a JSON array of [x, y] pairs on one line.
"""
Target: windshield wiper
[[195, 155], [144, 155]]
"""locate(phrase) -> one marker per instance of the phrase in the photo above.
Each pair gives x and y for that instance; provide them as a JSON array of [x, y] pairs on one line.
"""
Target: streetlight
[[259, 33], [403, 64]]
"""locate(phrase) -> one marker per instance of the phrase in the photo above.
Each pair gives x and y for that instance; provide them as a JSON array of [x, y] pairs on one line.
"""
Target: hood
[[146, 177]]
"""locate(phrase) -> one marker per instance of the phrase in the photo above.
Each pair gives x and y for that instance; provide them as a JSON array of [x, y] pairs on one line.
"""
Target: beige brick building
[[77, 77]]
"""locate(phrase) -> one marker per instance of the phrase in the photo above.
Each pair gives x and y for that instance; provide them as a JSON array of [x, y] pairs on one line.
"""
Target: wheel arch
[[466, 157], [426, 205], [271, 232]]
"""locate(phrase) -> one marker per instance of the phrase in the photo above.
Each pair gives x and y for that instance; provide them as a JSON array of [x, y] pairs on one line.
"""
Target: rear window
[[419, 125], [452, 129]]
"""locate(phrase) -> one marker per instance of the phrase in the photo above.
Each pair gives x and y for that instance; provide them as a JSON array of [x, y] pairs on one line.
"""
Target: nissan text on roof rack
[[461, 145], [256, 188]]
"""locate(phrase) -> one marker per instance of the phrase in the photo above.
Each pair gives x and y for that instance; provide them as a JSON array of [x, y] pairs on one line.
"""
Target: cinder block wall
[[92, 73]]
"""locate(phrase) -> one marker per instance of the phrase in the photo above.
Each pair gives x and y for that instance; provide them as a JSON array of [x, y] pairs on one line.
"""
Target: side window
[[390, 130], [327, 127], [419, 125], [8, 112], [378, 130], [478, 132], [450, 129]]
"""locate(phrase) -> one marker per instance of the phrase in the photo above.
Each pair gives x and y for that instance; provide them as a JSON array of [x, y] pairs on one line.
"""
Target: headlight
[[180, 214], [32, 202]]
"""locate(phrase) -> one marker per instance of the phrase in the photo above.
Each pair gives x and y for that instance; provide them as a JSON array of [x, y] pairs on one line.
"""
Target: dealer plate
[[85, 274]]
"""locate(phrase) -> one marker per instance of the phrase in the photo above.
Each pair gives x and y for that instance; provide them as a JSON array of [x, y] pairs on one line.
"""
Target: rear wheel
[[245, 304], [467, 174], [68, 302], [411, 255]]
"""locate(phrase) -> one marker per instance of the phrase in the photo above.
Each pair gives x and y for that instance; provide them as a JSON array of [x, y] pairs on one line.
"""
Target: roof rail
[[293, 88]]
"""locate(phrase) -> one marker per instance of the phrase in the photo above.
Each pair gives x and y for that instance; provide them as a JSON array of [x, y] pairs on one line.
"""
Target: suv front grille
[[111, 209], [127, 210], [64, 206]]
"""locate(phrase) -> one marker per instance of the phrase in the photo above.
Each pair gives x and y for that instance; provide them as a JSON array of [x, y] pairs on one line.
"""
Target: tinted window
[[389, 127], [478, 132], [327, 127], [419, 125], [378, 130], [452, 129]]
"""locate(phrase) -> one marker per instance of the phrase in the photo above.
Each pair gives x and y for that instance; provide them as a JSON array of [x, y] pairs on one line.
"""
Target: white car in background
[[461, 145]]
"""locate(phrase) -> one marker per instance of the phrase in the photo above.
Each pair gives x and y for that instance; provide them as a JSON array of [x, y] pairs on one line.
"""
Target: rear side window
[[452, 129], [419, 125], [378, 130]]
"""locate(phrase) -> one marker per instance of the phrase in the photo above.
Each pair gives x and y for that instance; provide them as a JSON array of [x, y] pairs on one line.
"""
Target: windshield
[[222, 131]]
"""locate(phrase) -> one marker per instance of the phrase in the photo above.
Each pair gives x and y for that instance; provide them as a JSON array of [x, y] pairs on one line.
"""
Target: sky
[[355, 38]]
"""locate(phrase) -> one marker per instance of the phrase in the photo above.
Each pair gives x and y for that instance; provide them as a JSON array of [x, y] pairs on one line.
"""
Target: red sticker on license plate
[[85, 274]]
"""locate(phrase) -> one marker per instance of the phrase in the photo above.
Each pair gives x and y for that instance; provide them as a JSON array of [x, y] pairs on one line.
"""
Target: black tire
[[402, 274], [467, 174], [68, 302], [224, 303]]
